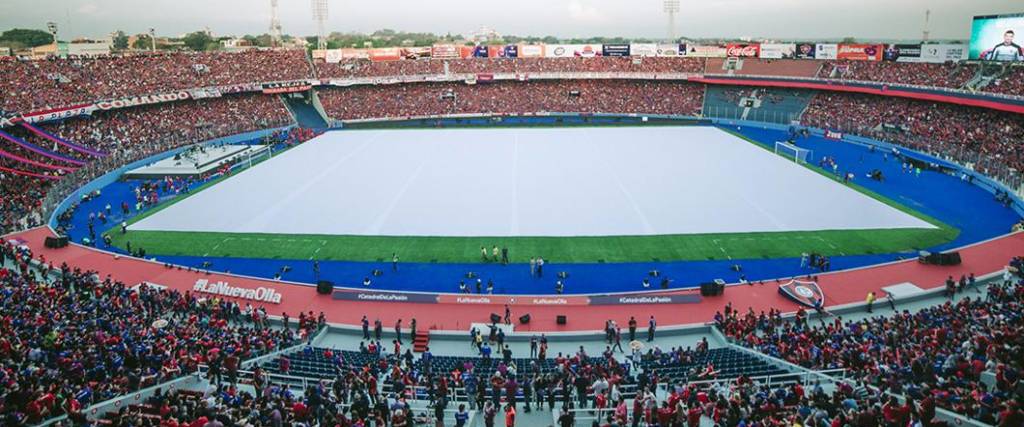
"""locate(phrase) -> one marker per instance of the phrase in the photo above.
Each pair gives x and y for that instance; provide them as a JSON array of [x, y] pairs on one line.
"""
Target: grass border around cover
[[596, 249]]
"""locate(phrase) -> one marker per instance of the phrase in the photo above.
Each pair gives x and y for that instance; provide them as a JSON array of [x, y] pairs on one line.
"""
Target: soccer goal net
[[799, 155]]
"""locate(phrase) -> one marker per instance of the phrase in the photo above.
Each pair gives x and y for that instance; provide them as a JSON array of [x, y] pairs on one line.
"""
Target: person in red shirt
[[510, 415], [299, 410], [600, 403], [693, 416], [665, 414]]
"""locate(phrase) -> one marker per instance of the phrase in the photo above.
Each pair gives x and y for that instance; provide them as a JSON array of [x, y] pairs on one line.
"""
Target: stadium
[[656, 232]]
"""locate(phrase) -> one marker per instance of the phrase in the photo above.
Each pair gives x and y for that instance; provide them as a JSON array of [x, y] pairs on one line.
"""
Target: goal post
[[790, 151]]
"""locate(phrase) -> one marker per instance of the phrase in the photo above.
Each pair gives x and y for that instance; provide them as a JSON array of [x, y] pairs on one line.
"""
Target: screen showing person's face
[[1008, 38]]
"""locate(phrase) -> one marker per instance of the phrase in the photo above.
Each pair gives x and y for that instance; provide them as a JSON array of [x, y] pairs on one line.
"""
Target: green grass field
[[555, 249]]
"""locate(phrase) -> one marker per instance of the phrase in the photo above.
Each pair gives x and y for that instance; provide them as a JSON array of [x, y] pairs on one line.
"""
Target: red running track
[[841, 287]]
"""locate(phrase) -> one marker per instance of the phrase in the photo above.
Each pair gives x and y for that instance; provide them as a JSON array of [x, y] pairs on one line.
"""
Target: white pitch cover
[[597, 181]]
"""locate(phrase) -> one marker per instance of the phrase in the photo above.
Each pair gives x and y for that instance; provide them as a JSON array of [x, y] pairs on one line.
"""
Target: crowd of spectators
[[179, 123], [935, 356], [982, 137], [579, 96], [69, 338], [365, 68], [32, 85], [125, 135], [1010, 83], [946, 75]]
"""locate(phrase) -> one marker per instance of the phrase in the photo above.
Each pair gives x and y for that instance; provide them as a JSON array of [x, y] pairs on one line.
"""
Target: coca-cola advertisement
[[742, 50]]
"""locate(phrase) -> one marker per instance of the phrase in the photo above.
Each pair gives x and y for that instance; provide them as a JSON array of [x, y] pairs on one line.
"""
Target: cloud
[[586, 14]]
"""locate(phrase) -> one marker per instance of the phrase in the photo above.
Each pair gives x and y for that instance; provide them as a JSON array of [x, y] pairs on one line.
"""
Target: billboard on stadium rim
[[778, 50], [902, 52], [499, 51], [385, 54], [558, 51], [332, 56], [943, 52], [620, 49], [353, 53], [444, 51], [997, 37], [532, 51], [643, 49], [704, 51], [669, 49], [860, 52], [416, 52], [573, 50], [805, 50], [742, 50], [826, 51]]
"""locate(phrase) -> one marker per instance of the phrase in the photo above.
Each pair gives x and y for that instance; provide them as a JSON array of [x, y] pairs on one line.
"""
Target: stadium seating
[[86, 340], [936, 355], [768, 104], [51, 83], [589, 96], [986, 139], [74, 340], [764, 67]]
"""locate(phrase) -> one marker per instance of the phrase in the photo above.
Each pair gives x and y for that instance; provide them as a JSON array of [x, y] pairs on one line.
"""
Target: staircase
[[987, 73], [304, 110], [419, 344]]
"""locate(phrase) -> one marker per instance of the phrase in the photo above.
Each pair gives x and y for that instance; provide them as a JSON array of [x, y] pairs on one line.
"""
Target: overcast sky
[[778, 19]]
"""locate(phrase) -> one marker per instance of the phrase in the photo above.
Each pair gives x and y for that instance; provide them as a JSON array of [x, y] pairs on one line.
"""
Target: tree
[[142, 42], [120, 40], [197, 41], [26, 38]]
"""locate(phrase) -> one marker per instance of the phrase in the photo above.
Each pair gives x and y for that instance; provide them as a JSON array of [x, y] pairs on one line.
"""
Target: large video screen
[[997, 37]]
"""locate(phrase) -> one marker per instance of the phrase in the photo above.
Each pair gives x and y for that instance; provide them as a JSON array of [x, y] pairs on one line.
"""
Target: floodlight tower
[[320, 15], [671, 8], [275, 25], [927, 17], [52, 27]]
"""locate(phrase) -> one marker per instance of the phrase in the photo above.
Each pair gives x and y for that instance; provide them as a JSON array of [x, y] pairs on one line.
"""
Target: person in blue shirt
[[462, 416]]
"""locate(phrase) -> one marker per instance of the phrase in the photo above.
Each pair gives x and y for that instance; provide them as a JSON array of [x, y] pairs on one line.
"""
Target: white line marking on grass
[[826, 242], [719, 244], [214, 248]]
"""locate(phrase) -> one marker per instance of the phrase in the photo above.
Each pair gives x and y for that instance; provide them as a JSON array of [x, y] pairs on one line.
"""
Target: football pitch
[[585, 195]]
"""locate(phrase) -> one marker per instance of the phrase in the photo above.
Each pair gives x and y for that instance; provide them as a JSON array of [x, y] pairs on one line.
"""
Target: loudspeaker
[[524, 319], [324, 287], [560, 319], [707, 289], [55, 242], [495, 318], [949, 258], [710, 289]]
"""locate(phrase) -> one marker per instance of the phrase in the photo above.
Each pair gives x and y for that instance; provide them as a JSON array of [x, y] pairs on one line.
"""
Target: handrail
[[118, 399]]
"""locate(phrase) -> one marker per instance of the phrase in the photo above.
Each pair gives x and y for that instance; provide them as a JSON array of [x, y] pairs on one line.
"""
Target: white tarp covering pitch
[[527, 182]]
